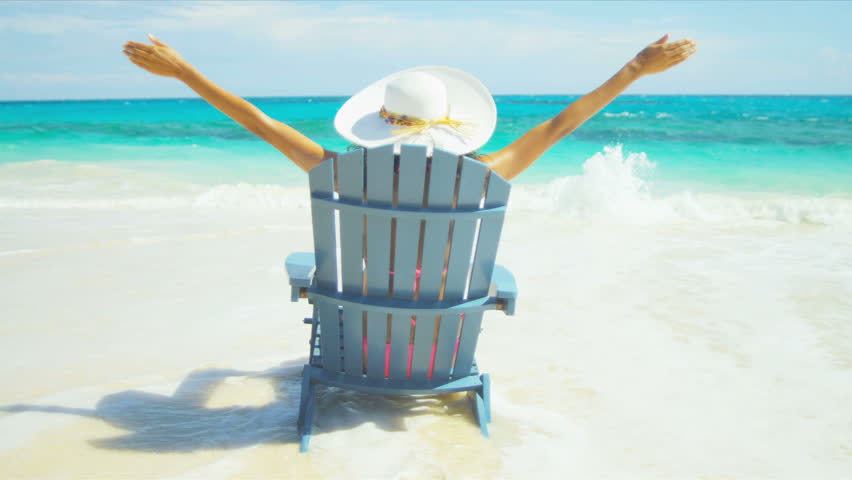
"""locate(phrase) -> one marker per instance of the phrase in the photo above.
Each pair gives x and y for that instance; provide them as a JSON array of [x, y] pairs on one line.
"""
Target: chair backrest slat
[[350, 181], [412, 176], [325, 252], [380, 180], [353, 338], [377, 328], [489, 236], [325, 236], [497, 194], [350, 184], [447, 335], [424, 337], [379, 193], [442, 181], [471, 183], [471, 325], [329, 323]]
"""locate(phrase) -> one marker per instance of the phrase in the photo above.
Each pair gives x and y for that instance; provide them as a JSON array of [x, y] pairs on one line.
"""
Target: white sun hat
[[443, 107]]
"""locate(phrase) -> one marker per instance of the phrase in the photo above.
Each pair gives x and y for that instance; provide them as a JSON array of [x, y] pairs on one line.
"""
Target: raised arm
[[520, 154], [160, 59]]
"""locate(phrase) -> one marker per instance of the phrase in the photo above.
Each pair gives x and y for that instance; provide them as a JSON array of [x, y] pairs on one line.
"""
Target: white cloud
[[834, 55], [38, 78], [661, 22], [346, 30], [306, 48], [836, 63], [52, 24], [511, 51], [358, 30]]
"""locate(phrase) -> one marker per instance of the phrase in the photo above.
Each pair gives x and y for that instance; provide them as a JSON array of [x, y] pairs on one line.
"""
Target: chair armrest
[[503, 282], [300, 268]]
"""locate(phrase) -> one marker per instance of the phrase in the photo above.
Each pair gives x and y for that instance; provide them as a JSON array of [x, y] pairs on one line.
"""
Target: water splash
[[616, 187]]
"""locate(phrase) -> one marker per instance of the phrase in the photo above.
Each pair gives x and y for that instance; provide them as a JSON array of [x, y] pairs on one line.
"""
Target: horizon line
[[494, 95]]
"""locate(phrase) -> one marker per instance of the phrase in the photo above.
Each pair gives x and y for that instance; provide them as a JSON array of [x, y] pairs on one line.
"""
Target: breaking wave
[[613, 188]]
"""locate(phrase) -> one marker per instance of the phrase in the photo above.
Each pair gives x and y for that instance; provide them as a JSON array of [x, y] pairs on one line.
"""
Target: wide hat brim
[[359, 122]]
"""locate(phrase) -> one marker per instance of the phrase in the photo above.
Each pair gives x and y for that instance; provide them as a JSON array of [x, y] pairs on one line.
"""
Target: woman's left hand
[[663, 55], [159, 58]]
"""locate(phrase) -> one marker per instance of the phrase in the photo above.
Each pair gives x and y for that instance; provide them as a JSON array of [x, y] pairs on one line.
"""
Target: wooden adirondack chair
[[403, 262]]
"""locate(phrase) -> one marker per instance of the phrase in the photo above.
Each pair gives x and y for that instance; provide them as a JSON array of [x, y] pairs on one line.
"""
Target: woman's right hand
[[159, 58]]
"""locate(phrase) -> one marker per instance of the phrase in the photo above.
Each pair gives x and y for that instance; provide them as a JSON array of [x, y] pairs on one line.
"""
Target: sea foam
[[615, 187]]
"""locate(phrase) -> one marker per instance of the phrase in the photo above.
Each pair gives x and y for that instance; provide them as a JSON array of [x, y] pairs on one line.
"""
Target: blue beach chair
[[402, 271]]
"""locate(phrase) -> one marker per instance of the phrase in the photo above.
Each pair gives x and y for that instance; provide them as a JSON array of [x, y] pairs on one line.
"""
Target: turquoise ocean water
[[792, 144]]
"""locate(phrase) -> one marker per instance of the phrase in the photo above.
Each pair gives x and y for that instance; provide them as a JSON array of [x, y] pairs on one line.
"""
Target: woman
[[160, 59]]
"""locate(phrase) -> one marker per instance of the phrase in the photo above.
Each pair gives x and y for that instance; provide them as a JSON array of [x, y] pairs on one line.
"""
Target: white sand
[[146, 332], [161, 343]]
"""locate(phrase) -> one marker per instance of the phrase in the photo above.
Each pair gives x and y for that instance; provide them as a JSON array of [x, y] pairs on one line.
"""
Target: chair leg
[[480, 406], [486, 395], [306, 383], [308, 420], [481, 414]]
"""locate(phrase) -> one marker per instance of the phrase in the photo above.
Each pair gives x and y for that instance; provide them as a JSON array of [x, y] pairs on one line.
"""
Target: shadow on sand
[[183, 422]]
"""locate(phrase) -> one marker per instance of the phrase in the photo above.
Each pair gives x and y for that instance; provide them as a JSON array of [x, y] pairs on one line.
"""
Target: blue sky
[[71, 50]]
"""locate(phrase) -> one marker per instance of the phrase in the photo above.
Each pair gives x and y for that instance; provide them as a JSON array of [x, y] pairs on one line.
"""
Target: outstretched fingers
[[682, 53], [139, 46], [138, 57], [686, 42], [158, 59], [141, 63], [679, 51], [133, 56], [659, 57], [137, 53], [683, 48]]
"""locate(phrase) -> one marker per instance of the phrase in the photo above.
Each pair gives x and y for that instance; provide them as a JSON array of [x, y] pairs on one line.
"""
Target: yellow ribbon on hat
[[413, 125]]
